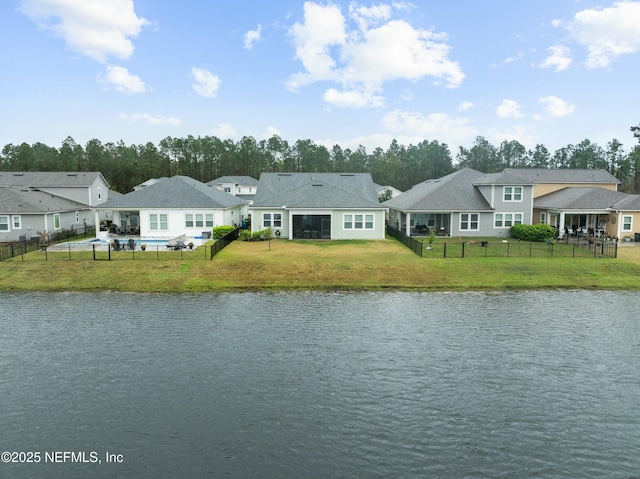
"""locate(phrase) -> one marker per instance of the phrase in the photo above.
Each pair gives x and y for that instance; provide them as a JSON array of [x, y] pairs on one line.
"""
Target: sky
[[551, 72]]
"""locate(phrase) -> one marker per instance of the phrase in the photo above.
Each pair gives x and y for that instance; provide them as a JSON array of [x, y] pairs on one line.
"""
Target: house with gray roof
[[463, 203], [243, 187], [24, 212], [471, 203], [319, 206], [173, 207]]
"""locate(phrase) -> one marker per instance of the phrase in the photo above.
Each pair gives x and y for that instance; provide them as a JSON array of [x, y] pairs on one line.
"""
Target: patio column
[[561, 225], [408, 225]]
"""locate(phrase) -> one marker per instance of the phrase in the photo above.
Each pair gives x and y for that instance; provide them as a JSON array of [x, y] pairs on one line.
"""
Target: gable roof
[[14, 199], [236, 180], [316, 190], [563, 175], [454, 192], [49, 179], [591, 198], [174, 192], [630, 203]]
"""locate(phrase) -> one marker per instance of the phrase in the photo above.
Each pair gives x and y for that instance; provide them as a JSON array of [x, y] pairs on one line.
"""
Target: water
[[531, 384]]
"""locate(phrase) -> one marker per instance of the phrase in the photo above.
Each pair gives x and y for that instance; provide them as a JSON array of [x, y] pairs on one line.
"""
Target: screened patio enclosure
[[311, 226]]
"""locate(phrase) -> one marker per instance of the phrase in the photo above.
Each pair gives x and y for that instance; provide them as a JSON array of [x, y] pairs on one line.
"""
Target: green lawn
[[315, 265]]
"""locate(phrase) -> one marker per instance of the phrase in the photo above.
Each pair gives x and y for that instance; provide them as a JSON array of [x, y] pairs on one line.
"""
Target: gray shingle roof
[[630, 203], [506, 177], [174, 192], [563, 175], [237, 180], [43, 179], [454, 192], [592, 198], [32, 201], [316, 190]]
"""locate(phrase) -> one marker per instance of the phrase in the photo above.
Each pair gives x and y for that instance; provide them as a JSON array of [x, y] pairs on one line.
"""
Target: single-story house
[[243, 187], [319, 206], [173, 207], [463, 203], [25, 212]]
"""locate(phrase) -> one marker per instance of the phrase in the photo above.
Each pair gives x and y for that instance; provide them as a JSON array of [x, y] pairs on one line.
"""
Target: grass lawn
[[316, 265]]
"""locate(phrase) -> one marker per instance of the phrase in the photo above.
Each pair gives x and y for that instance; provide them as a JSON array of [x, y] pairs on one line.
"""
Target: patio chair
[[132, 245], [117, 246]]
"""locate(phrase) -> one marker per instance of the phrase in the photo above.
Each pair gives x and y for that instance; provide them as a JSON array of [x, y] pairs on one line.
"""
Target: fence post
[[445, 249], [69, 252], [462, 250]]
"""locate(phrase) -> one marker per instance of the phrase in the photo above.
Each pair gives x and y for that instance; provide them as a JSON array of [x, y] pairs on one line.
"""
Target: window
[[199, 221], [188, 220], [431, 221], [266, 220], [626, 223], [469, 221], [277, 220], [99, 192], [4, 223], [77, 217], [507, 220], [158, 221], [368, 222], [513, 193], [543, 218], [17, 222], [227, 189], [358, 222], [208, 220], [56, 221]]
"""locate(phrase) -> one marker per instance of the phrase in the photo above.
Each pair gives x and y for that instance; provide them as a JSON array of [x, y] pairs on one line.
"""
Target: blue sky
[[553, 72]]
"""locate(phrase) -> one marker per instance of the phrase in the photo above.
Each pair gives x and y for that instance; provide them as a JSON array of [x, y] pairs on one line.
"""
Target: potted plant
[[627, 239]]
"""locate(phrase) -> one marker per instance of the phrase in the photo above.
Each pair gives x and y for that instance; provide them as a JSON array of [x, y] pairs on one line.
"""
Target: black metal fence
[[223, 242], [89, 251], [26, 245], [506, 248]]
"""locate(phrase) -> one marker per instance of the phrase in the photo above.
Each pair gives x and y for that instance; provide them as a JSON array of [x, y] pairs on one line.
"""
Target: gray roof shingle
[[175, 192], [44, 179], [20, 200], [563, 175], [316, 190], [454, 192], [592, 198], [238, 180]]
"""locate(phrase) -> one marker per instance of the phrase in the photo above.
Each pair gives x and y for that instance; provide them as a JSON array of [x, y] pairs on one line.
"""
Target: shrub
[[220, 231], [245, 235], [540, 232], [262, 235]]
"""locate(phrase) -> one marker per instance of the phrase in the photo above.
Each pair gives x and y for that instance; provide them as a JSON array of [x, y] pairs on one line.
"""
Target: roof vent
[[18, 174]]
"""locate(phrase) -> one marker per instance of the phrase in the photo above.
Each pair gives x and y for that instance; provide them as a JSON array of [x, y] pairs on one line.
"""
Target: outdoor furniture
[[117, 246], [132, 245]]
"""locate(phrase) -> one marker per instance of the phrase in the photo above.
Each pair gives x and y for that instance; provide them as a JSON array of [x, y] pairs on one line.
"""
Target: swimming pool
[[103, 242]]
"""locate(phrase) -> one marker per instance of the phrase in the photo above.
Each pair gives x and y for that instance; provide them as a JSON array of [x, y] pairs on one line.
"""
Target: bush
[[220, 231], [541, 232], [246, 235]]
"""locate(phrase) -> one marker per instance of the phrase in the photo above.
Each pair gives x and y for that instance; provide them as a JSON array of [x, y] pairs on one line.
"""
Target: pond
[[527, 384]]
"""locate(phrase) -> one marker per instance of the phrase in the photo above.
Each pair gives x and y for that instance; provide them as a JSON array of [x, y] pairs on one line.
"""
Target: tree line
[[206, 158]]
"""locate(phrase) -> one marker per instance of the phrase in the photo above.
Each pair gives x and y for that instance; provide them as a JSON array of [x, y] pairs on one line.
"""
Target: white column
[[408, 225], [561, 225]]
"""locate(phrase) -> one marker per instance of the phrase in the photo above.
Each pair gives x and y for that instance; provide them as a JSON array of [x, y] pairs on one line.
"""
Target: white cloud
[[96, 29], [435, 126], [150, 119], [122, 80], [608, 32], [465, 106], [559, 58], [556, 107], [509, 109], [251, 37], [362, 59], [205, 83], [224, 130], [352, 98]]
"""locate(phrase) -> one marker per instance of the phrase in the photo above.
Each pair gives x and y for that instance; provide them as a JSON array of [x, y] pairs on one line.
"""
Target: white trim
[[469, 221], [504, 220], [512, 194]]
